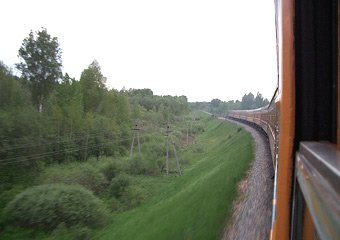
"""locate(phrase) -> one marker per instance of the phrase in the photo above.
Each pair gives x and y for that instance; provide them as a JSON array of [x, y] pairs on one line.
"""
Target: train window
[[316, 70], [316, 76]]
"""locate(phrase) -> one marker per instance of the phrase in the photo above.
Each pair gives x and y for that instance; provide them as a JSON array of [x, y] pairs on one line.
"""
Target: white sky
[[201, 49]]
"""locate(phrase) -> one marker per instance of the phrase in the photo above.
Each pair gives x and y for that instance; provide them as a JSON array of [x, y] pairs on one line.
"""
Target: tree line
[[47, 116], [219, 107]]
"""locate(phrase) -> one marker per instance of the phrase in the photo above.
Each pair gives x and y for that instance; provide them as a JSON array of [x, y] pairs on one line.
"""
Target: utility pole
[[135, 130], [177, 161], [189, 126], [187, 134], [167, 134], [86, 144]]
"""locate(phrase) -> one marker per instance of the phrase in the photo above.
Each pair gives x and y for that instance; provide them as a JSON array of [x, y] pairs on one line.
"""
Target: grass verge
[[197, 204]]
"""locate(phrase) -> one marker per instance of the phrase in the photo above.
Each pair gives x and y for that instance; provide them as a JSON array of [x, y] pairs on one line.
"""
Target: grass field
[[197, 204]]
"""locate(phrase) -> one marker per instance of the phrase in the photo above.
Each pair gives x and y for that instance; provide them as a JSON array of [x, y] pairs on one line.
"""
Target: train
[[302, 121]]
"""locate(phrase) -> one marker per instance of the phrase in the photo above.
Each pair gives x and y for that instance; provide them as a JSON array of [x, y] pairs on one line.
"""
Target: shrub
[[153, 153], [46, 206], [119, 185], [197, 128], [115, 205], [84, 175], [8, 195], [75, 233], [132, 197], [138, 166], [111, 169]]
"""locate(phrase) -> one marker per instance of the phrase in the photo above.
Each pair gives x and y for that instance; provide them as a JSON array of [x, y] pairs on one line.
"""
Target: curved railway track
[[252, 211]]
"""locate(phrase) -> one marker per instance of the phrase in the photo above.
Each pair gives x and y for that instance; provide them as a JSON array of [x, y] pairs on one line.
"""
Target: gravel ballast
[[252, 211]]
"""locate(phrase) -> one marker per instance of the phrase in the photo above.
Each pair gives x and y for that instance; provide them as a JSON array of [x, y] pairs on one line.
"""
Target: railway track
[[252, 211]]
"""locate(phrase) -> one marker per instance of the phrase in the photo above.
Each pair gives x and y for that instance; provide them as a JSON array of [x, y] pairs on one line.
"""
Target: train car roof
[[252, 110]]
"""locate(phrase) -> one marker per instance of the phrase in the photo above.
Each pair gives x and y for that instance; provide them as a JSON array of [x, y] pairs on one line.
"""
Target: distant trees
[[247, 101], [216, 106], [259, 101], [251, 102], [215, 103], [164, 108], [41, 64]]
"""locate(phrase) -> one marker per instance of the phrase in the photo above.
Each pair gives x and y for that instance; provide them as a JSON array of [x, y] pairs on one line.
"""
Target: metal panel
[[318, 173]]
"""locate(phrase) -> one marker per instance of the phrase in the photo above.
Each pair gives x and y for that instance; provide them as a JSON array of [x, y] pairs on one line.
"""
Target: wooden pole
[[188, 134], [86, 143], [167, 156], [177, 160], [135, 130], [133, 142], [167, 133], [140, 155]]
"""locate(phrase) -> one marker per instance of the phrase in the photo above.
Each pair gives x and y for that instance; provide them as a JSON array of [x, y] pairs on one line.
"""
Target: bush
[[111, 169], [119, 185], [75, 233], [115, 205], [197, 128], [152, 158], [125, 195], [84, 175], [8, 195], [46, 206], [138, 166], [132, 197]]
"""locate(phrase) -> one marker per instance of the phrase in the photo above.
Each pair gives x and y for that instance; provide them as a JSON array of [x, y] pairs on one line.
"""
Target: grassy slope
[[194, 206]]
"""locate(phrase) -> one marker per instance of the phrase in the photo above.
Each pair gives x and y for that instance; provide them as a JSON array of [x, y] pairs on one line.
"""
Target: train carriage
[[303, 121]]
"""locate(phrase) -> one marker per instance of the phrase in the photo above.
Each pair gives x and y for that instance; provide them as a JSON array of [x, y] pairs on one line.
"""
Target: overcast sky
[[201, 49]]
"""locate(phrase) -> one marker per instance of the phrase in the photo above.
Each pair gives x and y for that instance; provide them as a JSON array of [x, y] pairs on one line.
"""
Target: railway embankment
[[252, 210]]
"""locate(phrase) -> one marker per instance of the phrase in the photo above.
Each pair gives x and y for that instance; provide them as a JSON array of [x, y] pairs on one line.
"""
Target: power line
[[56, 141], [52, 153], [54, 135], [91, 136], [66, 150]]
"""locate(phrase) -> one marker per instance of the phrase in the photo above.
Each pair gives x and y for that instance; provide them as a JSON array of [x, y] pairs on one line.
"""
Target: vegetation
[[67, 167], [218, 107], [85, 175], [197, 204], [47, 206], [41, 65]]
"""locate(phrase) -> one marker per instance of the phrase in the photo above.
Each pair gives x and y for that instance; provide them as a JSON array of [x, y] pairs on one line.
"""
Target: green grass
[[197, 204], [193, 206]]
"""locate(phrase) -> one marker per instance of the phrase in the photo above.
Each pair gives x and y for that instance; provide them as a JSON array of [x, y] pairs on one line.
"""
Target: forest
[[53, 128]]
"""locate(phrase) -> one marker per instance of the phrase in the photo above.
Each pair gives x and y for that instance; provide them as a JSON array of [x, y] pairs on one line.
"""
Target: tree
[[41, 64], [259, 101], [215, 105], [247, 101], [93, 86], [12, 93]]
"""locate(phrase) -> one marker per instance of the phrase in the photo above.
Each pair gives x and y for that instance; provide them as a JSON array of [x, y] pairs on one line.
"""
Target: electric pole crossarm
[[135, 130]]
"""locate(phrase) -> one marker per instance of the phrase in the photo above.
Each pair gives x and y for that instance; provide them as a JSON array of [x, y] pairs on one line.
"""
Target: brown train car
[[303, 121]]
